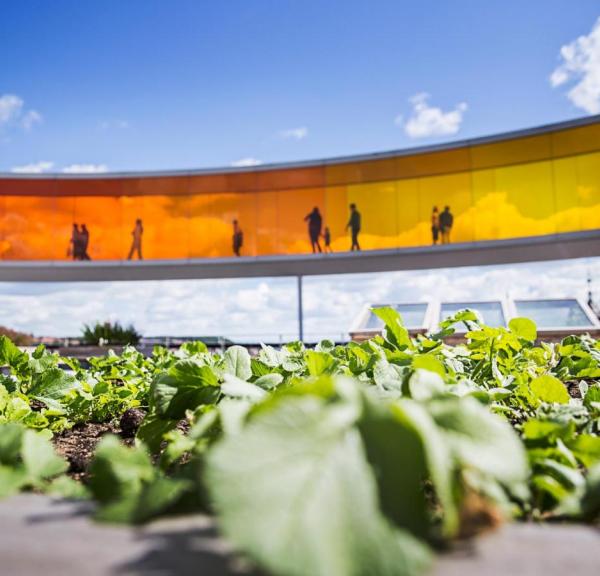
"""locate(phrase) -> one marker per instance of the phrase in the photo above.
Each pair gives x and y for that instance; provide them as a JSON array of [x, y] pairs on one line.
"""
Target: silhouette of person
[[315, 224], [327, 239], [74, 249], [446, 222], [238, 238], [136, 242], [85, 241], [354, 225], [435, 225]]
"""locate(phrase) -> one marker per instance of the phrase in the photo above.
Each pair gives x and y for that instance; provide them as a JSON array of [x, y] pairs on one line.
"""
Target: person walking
[[85, 241], [354, 225], [435, 225], [136, 242], [238, 238], [315, 224], [74, 249], [327, 239], [446, 223]]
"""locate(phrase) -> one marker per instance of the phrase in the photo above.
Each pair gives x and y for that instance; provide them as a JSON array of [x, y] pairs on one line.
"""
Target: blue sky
[[145, 84], [148, 84]]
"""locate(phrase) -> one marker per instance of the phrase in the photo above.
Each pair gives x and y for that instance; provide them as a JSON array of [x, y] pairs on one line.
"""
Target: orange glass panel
[[267, 223], [293, 207], [454, 191], [199, 184], [336, 217], [154, 185], [132, 208], [165, 227], [28, 228], [101, 216], [27, 186], [285, 179], [89, 186], [64, 218]]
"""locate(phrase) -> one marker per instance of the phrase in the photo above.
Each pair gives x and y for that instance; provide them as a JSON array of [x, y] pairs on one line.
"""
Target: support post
[[300, 311]]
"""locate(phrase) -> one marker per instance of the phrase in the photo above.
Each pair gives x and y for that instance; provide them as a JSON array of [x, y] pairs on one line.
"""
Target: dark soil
[[573, 388], [77, 445]]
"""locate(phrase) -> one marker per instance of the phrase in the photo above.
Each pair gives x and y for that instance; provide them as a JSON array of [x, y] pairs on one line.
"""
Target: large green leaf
[[184, 386], [395, 331], [547, 388], [39, 457], [237, 362], [52, 385], [319, 363], [523, 328], [405, 448], [295, 492], [482, 441]]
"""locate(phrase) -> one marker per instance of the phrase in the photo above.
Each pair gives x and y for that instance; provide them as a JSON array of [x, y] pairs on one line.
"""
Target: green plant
[[353, 459], [110, 333]]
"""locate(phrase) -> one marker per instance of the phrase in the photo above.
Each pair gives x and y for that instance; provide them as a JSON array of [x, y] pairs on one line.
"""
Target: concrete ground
[[53, 538]]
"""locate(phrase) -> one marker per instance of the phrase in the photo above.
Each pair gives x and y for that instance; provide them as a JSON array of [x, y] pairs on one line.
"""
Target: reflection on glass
[[490, 312], [413, 316], [565, 313], [497, 190]]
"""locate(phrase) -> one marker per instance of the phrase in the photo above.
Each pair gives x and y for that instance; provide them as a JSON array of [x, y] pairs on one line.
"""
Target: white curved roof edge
[[530, 249], [543, 129]]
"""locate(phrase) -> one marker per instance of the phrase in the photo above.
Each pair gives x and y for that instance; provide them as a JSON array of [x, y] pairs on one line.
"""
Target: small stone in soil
[[131, 421]]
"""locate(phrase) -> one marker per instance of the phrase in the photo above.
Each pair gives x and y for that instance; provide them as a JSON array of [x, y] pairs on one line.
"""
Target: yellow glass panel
[[568, 211], [514, 151], [576, 140], [588, 190], [267, 223], [377, 205], [409, 231], [336, 217], [211, 223], [525, 203], [454, 191], [486, 205], [293, 207]]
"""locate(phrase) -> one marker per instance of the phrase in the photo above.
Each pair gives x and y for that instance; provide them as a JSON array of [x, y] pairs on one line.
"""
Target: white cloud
[[30, 119], [47, 166], [11, 107], [294, 133], [427, 120], [12, 112], [243, 162], [34, 168], [109, 124], [255, 309], [84, 168], [580, 63]]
